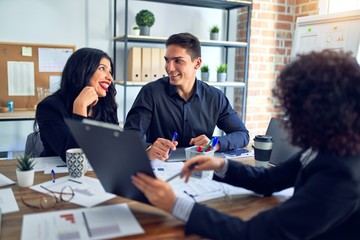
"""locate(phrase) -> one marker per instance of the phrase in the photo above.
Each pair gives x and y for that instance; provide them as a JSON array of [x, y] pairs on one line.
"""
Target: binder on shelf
[[134, 64], [155, 63], [146, 64], [162, 63]]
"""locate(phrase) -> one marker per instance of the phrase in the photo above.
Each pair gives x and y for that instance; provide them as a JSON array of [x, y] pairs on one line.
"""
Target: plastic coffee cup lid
[[263, 138]]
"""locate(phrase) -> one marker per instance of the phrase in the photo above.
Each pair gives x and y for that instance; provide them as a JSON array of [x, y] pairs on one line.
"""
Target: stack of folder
[[146, 64]]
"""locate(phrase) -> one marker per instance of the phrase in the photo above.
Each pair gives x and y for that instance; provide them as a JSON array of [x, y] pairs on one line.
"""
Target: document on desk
[[88, 191], [198, 189], [8, 203], [47, 164], [242, 154], [103, 222], [5, 181]]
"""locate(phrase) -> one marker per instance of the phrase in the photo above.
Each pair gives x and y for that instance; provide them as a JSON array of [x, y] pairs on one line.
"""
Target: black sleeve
[[54, 132]]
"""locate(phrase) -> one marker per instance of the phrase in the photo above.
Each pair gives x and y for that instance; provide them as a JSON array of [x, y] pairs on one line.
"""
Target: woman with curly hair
[[86, 91], [320, 95]]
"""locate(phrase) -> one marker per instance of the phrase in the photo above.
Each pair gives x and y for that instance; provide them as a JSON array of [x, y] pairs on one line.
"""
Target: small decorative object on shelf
[[204, 73], [214, 32], [25, 171], [221, 72], [135, 31], [4, 109], [145, 19]]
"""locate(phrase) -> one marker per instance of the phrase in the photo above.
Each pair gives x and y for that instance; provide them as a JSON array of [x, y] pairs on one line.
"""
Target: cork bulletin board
[[26, 66]]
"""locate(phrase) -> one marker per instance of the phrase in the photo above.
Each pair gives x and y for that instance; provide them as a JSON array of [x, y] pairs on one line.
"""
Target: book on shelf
[[134, 64], [145, 64]]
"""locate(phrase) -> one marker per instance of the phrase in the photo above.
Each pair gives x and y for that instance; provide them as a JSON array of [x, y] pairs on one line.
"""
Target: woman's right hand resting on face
[[87, 97], [203, 163]]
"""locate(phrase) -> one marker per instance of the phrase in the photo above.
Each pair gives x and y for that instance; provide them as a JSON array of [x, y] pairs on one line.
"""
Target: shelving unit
[[226, 5]]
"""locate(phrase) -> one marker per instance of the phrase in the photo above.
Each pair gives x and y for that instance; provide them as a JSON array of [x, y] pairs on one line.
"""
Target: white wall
[[89, 23]]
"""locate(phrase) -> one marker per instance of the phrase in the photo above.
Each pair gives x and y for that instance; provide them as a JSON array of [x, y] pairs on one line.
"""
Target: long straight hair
[[76, 75]]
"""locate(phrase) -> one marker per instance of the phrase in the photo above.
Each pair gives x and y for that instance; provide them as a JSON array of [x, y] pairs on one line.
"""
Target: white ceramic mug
[[76, 162]]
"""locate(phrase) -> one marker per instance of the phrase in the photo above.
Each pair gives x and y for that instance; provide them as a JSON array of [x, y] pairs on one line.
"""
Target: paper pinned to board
[[53, 59], [21, 78]]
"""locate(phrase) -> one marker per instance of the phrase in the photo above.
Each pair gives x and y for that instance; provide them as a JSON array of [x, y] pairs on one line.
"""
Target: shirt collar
[[173, 90], [308, 156]]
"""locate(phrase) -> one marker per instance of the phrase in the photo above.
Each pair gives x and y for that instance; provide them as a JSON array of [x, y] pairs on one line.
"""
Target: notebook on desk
[[282, 148], [113, 154]]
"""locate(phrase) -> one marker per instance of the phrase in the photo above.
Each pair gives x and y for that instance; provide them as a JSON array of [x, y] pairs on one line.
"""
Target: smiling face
[[102, 78], [179, 66]]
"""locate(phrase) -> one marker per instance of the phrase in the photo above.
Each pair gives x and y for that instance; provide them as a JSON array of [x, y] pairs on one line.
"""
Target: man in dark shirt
[[181, 103]]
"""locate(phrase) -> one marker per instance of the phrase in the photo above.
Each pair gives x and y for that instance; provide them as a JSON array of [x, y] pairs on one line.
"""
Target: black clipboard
[[114, 155]]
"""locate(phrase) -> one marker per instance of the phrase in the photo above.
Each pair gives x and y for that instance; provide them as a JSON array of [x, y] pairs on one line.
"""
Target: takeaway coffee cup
[[262, 150], [76, 162]]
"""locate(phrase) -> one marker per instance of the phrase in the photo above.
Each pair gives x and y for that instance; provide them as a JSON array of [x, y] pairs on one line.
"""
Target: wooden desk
[[156, 223], [18, 115]]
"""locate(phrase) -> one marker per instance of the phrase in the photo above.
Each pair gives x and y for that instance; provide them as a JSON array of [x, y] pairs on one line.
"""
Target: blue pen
[[175, 136], [53, 175], [213, 144]]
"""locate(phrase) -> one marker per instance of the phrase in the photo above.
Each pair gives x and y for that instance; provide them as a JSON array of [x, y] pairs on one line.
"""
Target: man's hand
[[158, 192], [160, 149], [202, 141]]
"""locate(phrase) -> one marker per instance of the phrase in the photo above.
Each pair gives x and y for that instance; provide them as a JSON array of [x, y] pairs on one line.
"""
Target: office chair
[[33, 145]]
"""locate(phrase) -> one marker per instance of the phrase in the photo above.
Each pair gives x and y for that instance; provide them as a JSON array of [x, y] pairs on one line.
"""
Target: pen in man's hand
[[175, 136], [191, 167], [53, 175]]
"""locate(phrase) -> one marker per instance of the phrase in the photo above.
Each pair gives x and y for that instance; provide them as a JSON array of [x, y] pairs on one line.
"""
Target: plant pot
[[25, 178], [221, 77], [144, 30], [135, 32], [214, 36], [205, 76]]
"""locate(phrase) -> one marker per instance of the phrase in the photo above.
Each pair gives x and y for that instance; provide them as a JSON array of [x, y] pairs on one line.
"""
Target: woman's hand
[[160, 149], [87, 97], [202, 163], [158, 192]]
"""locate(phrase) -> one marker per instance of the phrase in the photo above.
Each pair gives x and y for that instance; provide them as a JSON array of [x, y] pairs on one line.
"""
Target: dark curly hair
[[320, 95]]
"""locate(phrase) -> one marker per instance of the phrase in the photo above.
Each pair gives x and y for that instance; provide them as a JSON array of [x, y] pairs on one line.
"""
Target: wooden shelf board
[[215, 84], [155, 39]]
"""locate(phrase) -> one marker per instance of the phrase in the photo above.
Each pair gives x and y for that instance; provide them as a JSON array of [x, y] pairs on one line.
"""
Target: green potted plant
[[204, 72], [221, 72], [135, 30], [25, 171], [145, 19], [214, 32]]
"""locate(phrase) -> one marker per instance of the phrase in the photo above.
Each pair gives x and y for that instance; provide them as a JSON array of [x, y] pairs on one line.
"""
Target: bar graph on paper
[[102, 222]]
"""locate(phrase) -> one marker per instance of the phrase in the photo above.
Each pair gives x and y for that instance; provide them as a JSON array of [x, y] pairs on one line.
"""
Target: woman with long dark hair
[[86, 91]]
